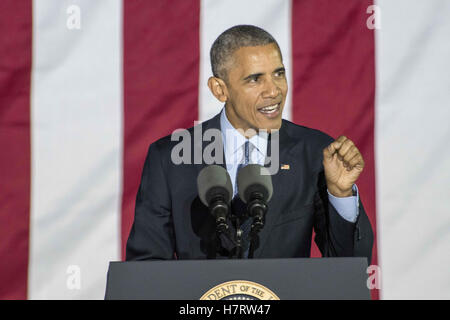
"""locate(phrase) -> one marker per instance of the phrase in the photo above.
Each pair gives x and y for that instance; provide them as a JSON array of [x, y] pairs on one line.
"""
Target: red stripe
[[334, 81], [161, 73], [15, 75]]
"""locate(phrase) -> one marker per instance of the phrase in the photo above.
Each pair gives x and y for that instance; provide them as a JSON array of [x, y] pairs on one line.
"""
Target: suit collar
[[200, 144]]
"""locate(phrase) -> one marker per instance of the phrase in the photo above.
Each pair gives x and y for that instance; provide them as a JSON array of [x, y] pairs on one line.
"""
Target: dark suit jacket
[[170, 220]]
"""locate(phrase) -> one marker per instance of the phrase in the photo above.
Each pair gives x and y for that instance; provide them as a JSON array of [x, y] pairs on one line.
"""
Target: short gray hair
[[231, 40]]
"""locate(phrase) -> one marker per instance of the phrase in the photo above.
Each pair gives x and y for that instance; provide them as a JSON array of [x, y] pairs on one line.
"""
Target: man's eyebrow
[[254, 75], [280, 69]]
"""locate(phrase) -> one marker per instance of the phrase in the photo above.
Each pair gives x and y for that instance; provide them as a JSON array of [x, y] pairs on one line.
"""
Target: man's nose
[[271, 89]]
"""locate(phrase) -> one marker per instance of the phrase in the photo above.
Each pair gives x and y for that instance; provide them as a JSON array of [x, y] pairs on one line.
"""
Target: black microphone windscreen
[[213, 180], [254, 178]]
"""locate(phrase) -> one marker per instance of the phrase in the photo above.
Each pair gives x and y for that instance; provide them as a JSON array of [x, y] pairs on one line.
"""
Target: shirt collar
[[233, 140]]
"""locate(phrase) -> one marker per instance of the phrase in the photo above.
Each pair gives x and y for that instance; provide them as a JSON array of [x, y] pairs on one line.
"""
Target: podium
[[246, 279]]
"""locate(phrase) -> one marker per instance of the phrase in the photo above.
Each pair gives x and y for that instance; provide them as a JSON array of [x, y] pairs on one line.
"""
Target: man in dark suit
[[314, 184]]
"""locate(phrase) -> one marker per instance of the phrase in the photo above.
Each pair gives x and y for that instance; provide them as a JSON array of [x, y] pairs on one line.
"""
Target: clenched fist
[[343, 163]]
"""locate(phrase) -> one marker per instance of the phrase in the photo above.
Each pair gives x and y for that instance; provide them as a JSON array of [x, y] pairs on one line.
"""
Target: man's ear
[[218, 88]]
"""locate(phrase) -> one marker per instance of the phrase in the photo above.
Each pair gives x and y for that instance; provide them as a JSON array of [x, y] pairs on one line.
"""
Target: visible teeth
[[269, 108]]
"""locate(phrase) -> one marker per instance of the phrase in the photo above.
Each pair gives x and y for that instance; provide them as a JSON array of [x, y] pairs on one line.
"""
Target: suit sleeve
[[152, 235], [335, 236]]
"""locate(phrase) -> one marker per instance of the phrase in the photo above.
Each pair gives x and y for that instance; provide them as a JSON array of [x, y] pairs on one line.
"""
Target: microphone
[[215, 191], [255, 189]]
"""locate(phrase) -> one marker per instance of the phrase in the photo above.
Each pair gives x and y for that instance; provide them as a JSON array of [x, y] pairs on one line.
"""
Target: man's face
[[256, 88]]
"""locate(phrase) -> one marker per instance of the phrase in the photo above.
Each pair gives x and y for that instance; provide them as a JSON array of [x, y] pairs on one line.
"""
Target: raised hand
[[343, 163]]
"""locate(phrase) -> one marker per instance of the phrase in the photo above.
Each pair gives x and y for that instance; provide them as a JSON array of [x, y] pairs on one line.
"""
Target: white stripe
[[412, 154], [217, 16], [76, 148]]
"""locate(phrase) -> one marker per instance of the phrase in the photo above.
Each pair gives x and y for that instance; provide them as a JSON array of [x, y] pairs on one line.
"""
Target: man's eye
[[279, 74], [254, 79]]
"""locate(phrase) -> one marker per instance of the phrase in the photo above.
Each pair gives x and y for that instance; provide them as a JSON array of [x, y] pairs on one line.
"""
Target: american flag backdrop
[[87, 85]]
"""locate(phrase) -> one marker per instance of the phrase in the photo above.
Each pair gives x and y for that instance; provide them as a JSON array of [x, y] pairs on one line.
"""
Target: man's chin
[[270, 126]]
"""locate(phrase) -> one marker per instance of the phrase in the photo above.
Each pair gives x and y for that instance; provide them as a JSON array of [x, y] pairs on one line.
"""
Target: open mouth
[[270, 111]]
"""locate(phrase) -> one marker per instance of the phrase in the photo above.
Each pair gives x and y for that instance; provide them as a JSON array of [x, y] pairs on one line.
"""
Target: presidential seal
[[239, 290]]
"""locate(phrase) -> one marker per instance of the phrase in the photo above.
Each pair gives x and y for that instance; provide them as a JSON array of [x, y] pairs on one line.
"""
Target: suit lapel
[[279, 182], [199, 145]]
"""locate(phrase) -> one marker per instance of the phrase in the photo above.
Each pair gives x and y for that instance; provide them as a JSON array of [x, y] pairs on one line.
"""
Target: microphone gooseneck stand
[[256, 210], [236, 238], [219, 209]]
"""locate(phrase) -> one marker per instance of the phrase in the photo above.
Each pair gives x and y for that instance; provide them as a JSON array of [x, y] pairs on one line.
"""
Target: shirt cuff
[[347, 207]]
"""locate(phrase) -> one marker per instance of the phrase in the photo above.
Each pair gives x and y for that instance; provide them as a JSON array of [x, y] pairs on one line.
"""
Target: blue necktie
[[239, 206]]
